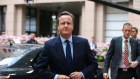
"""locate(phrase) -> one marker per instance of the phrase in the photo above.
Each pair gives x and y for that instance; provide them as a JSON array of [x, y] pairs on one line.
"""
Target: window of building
[[2, 19], [115, 18], [30, 20], [54, 25]]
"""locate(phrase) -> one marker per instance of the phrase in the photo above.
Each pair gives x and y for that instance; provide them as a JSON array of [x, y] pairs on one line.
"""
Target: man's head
[[93, 39], [127, 29], [32, 35], [134, 32], [65, 24]]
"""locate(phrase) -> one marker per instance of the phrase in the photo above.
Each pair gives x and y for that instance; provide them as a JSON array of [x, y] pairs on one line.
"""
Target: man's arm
[[91, 62], [109, 55], [108, 59], [41, 66], [137, 61], [138, 52]]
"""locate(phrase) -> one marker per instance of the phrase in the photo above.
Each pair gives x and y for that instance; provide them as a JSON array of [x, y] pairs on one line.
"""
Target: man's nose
[[66, 25]]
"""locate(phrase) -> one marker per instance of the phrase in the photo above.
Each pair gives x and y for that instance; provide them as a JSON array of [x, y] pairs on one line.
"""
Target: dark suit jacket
[[53, 55], [114, 55], [32, 41], [138, 70]]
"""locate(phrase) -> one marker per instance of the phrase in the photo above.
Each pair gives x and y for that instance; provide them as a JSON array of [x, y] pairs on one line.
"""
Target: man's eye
[[127, 30], [68, 23], [63, 23]]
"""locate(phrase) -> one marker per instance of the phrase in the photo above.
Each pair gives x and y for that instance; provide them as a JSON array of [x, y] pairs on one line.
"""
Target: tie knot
[[67, 41], [126, 40]]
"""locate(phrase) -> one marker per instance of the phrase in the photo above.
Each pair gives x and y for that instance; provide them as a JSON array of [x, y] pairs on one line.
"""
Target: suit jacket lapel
[[132, 49], [75, 49], [59, 49], [120, 45], [131, 44]]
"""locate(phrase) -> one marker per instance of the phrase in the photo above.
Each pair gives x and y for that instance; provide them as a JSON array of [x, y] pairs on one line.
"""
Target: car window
[[25, 61], [6, 52], [9, 54]]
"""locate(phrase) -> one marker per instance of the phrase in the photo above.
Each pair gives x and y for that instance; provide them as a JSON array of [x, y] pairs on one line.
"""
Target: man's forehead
[[126, 27], [134, 29], [65, 17]]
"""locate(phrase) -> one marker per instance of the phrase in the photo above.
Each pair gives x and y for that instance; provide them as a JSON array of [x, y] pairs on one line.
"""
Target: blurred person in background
[[32, 39], [93, 45], [134, 35]]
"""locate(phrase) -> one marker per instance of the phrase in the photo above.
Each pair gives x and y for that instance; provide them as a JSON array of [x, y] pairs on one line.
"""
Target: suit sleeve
[[41, 66], [138, 53], [91, 63], [109, 56]]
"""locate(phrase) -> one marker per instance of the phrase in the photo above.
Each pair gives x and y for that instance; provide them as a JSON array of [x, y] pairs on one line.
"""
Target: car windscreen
[[8, 54], [26, 60]]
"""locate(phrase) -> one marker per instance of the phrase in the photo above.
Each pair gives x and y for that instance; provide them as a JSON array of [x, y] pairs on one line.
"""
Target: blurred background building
[[103, 20]]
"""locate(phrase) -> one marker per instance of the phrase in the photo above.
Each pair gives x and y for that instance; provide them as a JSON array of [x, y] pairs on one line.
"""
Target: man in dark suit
[[134, 35], [122, 56], [93, 45], [68, 56], [32, 39]]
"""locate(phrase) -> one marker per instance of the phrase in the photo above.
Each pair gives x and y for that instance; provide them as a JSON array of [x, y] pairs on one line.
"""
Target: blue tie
[[68, 56]]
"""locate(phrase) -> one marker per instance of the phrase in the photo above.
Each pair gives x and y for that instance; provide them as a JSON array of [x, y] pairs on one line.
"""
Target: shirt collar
[[63, 39], [125, 39]]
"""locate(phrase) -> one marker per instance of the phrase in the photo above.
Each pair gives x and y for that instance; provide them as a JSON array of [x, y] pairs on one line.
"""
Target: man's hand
[[63, 77], [105, 75], [134, 64], [76, 75]]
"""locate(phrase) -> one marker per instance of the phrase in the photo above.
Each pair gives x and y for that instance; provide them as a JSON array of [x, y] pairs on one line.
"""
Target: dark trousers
[[126, 74], [138, 71]]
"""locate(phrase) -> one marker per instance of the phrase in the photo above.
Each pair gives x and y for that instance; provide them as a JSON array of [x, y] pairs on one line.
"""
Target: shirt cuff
[[56, 76], [83, 77]]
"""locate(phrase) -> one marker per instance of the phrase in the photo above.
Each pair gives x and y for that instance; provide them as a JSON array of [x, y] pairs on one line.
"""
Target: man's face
[[134, 33], [32, 36], [126, 31], [65, 25], [93, 39]]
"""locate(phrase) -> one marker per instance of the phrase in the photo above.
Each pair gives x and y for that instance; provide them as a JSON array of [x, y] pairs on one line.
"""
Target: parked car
[[15, 61]]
